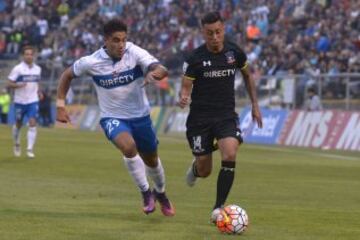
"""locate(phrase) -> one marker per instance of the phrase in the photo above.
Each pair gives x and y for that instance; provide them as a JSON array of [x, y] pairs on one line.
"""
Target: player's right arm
[[79, 68], [14, 74], [12, 84], [185, 91], [186, 84], [63, 87]]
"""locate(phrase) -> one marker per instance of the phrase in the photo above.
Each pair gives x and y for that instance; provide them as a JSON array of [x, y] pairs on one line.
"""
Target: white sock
[[158, 176], [31, 137], [16, 134], [136, 168]]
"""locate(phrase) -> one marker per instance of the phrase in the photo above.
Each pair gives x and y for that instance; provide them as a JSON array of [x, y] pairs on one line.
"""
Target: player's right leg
[[19, 114], [119, 133], [191, 174], [201, 167], [204, 163], [200, 140]]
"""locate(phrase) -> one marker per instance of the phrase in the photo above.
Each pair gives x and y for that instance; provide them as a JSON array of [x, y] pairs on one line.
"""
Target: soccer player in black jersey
[[208, 86]]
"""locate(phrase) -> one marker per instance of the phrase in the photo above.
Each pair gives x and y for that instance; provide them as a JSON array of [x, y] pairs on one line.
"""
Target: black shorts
[[201, 135]]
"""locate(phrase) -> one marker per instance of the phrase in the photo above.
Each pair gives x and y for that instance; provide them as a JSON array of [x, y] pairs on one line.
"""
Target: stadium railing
[[337, 91]]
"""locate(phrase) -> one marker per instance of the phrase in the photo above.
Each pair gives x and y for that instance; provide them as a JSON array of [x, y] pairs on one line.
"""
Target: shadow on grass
[[135, 216], [13, 160]]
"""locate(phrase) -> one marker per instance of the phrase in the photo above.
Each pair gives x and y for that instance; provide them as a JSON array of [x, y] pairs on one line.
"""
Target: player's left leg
[[31, 138], [32, 113], [19, 115], [120, 134], [229, 138], [146, 142], [154, 169], [156, 173], [228, 147]]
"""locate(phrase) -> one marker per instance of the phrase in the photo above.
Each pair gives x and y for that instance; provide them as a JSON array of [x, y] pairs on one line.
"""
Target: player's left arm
[[152, 68], [156, 71], [251, 89], [40, 88], [40, 93]]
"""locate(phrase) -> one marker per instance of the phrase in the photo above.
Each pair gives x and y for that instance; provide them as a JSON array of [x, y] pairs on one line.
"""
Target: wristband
[[60, 103]]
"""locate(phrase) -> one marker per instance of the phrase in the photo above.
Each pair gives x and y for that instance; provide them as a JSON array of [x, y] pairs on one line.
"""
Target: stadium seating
[[296, 37]]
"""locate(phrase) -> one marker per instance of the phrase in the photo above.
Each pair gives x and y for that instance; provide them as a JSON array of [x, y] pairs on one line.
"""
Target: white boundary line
[[325, 155]]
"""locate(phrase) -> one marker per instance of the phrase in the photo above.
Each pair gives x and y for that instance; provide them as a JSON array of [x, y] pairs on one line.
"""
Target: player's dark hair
[[114, 25], [211, 17], [27, 47]]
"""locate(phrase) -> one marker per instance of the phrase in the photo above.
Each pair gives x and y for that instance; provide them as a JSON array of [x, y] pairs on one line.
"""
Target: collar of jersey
[[27, 65]]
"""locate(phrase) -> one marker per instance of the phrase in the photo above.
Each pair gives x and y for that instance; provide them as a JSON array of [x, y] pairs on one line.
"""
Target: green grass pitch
[[77, 188]]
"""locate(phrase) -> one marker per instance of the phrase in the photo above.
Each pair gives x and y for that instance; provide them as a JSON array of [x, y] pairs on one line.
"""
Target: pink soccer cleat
[[166, 207], [149, 202]]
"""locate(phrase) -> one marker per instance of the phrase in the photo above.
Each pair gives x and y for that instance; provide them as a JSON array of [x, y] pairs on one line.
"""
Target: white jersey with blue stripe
[[118, 84], [31, 76]]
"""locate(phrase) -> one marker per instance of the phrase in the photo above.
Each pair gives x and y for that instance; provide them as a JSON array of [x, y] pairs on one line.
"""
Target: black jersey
[[213, 74]]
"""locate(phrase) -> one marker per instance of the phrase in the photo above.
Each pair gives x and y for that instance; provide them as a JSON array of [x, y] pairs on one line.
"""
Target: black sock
[[195, 172], [224, 182]]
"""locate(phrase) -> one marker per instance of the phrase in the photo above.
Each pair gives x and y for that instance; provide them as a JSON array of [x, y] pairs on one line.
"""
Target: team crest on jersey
[[230, 58]]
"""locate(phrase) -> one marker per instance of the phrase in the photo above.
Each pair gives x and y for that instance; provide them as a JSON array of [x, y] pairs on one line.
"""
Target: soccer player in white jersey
[[116, 70], [24, 79]]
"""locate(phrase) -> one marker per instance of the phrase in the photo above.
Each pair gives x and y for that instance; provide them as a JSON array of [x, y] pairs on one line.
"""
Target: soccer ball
[[232, 220]]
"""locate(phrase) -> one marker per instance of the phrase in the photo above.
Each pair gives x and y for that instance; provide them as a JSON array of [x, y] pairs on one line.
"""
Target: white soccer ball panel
[[239, 228], [239, 218]]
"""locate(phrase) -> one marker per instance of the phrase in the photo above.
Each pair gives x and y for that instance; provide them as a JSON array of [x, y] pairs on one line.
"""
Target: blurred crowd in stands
[[279, 36], [32, 21]]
